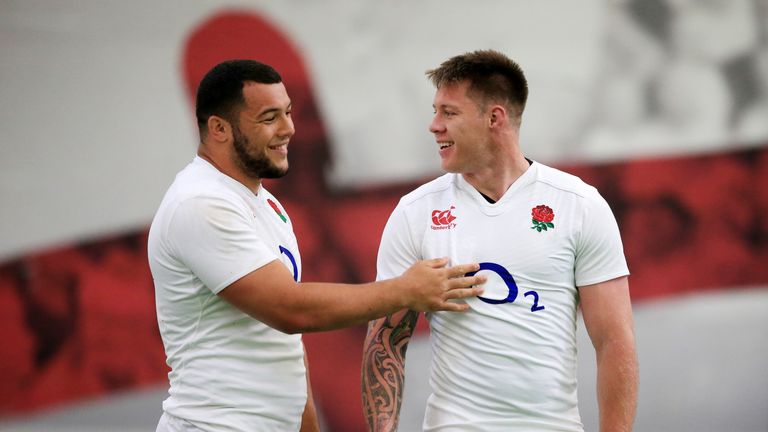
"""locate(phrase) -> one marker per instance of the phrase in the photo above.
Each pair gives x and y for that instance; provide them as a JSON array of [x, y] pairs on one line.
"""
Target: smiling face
[[262, 132], [461, 130]]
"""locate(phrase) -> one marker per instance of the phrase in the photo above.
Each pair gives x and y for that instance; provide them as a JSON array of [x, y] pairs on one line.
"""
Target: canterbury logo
[[443, 219]]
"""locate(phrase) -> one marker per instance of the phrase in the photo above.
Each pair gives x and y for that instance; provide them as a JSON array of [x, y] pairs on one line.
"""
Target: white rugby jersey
[[230, 372], [508, 364]]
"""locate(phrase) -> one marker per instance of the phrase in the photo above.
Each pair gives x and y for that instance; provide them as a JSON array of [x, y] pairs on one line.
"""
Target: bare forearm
[[270, 295], [333, 306], [617, 376], [383, 374]]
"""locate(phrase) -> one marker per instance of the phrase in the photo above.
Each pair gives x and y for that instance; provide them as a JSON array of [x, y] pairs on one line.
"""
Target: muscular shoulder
[[197, 193], [201, 184], [414, 209], [429, 191], [564, 182]]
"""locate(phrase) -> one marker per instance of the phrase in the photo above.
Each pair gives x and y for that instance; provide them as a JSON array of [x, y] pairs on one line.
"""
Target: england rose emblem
[[542, 218]]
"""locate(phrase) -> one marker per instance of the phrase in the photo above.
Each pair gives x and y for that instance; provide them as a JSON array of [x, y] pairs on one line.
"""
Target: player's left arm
[[309, 421], [607, 314]]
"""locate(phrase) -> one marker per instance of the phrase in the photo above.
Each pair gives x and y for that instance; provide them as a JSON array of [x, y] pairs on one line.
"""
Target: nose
[[436, 126], [286, 127]]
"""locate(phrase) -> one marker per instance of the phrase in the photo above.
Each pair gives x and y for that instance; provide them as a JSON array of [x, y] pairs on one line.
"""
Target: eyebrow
[[272, 110]]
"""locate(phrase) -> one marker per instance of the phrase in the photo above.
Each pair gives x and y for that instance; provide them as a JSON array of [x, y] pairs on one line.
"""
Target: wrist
[[398, 292]]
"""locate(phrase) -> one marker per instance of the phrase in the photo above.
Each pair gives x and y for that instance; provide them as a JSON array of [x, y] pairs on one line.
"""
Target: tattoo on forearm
[[384, 369]]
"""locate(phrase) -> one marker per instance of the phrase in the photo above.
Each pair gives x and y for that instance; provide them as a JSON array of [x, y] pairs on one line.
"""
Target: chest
[[527, 251], [534, 238], [272, 225]]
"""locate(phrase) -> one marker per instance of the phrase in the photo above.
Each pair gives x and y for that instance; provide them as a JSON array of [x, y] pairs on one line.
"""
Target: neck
[[499, 172], [494, 183], [228, 167]]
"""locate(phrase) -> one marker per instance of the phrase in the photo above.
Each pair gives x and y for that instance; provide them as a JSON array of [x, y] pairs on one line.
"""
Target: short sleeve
[[216, 240], [599, 251], [397, 251]]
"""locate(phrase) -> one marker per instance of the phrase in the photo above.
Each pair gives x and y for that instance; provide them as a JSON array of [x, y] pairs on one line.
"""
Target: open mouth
[[445, 144]]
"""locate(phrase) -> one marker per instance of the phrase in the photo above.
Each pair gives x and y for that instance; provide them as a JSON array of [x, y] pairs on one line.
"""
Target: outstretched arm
[[215, 239], [607, 316], [384, 369]]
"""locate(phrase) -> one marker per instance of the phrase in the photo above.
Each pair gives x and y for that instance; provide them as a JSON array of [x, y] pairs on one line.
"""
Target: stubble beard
[[254, 166]]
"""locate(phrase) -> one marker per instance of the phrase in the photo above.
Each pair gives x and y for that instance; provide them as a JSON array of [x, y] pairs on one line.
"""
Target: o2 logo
[[288, 253], [511, 286]]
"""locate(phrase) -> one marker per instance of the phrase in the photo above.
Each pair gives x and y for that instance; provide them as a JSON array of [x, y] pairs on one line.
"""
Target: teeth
[[445, 145]]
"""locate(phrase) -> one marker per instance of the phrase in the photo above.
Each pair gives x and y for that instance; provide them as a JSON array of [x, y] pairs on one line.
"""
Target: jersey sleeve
[[216, 240], [397, 251], [599, 251]]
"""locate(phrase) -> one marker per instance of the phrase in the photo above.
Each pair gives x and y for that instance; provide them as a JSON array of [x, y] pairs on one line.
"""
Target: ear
[[498, 116], [219, 129]]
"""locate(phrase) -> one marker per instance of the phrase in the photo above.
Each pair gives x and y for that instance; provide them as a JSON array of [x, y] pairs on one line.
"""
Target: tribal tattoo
[[384, 369]]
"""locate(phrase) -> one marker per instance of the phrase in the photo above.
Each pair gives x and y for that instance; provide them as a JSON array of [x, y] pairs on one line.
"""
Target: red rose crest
[[542, 218]]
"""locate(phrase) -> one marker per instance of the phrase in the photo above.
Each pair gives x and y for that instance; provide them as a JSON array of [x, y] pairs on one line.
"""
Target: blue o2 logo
[[506, 276], [288, 253]]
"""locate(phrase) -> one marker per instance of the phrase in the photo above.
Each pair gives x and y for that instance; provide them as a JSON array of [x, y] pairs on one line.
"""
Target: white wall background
[[95, 121]]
